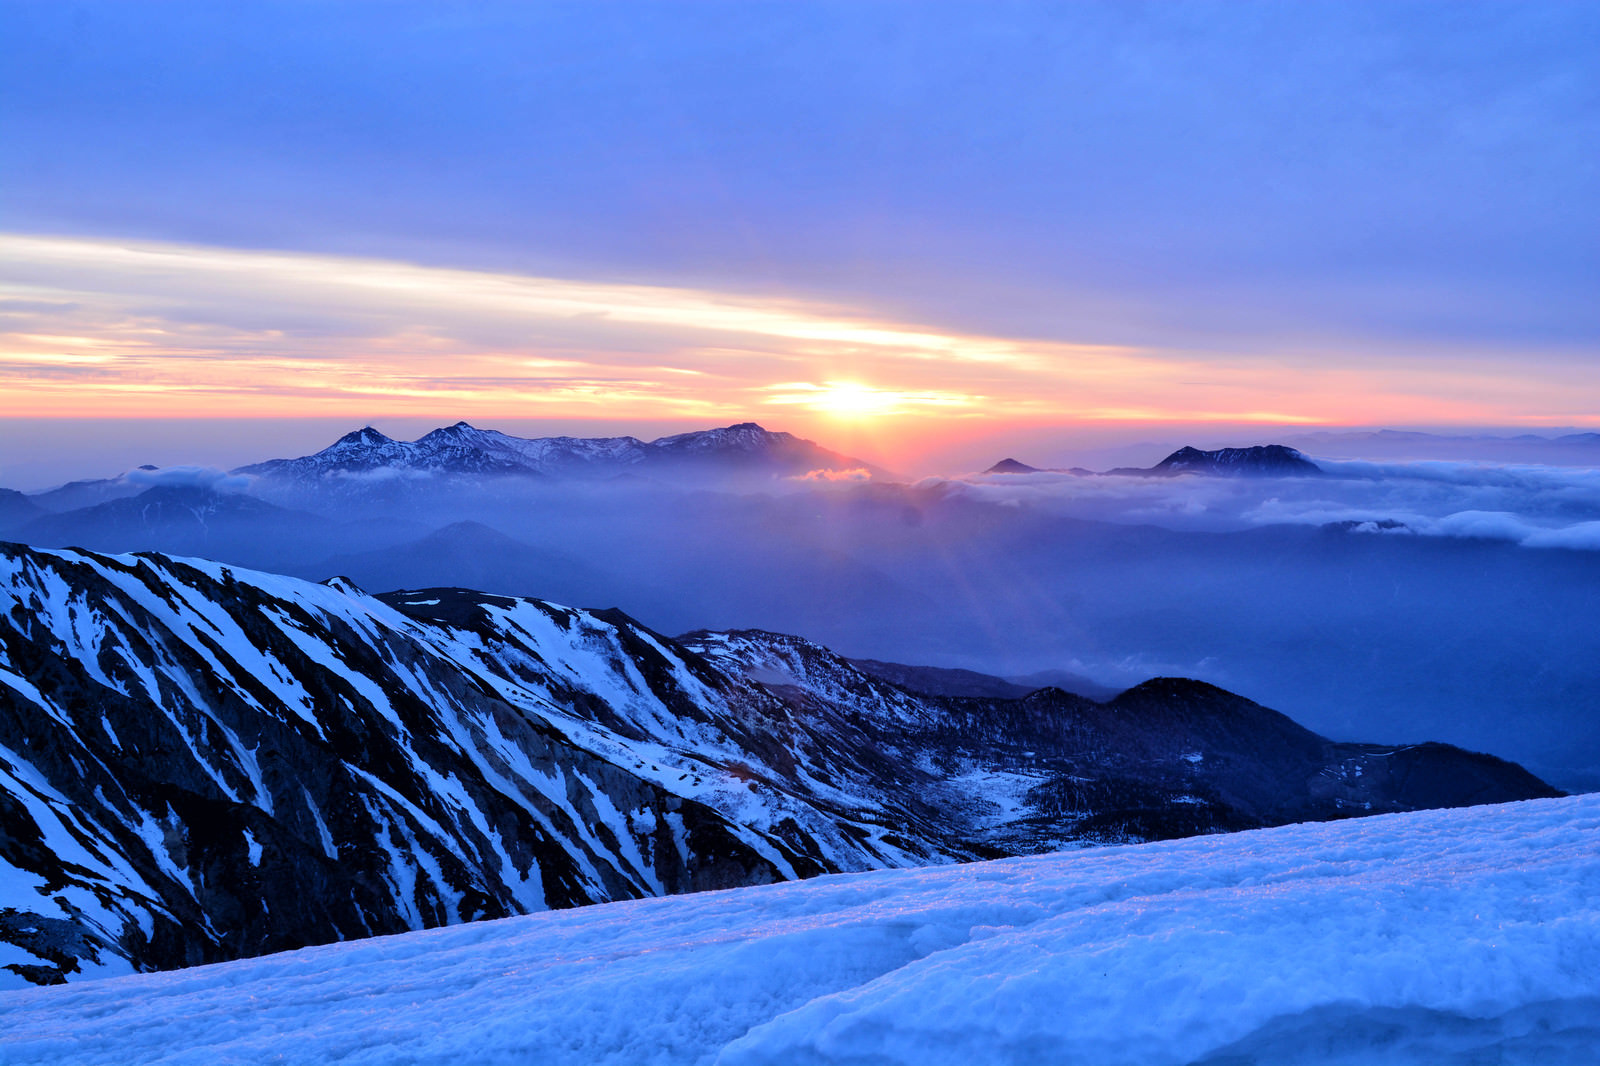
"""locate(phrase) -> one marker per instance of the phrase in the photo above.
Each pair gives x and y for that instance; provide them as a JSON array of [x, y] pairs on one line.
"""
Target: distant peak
[[1176, 688], [1260, 459], [739, 435], [1011, 466], [364, 435], [455, 432]]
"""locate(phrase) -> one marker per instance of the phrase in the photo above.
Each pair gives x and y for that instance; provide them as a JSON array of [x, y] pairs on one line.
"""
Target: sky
[[886, 226]]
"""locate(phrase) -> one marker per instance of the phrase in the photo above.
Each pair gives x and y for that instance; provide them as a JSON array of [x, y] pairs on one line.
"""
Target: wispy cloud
[[198, 477], [197, 321], [112, 327]]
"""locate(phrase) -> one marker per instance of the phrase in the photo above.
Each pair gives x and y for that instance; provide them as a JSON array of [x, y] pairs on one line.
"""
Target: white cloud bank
[[188, 477], [1537, 506]]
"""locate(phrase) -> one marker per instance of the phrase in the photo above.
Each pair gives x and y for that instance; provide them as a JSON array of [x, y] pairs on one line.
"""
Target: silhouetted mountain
[[75, 495], [199, 762], [1067, 681], [183, 520], [1011, 466], [471, 554], [16, 508], [1262, 460], [941, 681]]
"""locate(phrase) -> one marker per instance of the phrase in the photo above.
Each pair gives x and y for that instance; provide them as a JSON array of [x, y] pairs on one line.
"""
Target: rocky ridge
[[200, 762]]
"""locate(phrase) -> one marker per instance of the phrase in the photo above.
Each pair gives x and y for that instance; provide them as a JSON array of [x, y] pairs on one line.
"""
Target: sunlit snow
[[1465, 936]]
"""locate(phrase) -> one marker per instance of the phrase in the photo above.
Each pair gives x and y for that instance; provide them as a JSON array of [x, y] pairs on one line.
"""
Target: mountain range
[[200, 762], [365, 466], [1366, 624], [745, 451]]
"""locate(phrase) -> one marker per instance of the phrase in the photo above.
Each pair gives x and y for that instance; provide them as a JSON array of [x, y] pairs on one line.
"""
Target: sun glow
[[849, 399], [100, 328], [853, 400]]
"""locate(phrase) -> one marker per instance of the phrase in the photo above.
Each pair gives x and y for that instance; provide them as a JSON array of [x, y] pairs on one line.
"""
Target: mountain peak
[[366, 436], [1261, 460], [743, 436], [460, 432], [1011, 466], [745, 449]]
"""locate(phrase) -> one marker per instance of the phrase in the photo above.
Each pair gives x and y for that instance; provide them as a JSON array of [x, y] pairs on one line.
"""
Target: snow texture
[[1464, 936]]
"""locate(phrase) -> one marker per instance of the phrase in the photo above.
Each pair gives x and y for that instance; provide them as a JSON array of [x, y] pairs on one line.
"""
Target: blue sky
[[1229, 196]]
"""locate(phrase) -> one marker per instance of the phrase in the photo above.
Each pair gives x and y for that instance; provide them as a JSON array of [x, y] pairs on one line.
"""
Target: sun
[[857, 402], [850, 399]]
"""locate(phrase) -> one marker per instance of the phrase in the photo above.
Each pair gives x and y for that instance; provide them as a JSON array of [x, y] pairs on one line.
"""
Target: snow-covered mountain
[[1439, 938], [461, 449], [199, 762]]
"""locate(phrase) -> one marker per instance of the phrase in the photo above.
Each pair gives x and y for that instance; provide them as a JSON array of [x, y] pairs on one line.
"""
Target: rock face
[[199, 762]]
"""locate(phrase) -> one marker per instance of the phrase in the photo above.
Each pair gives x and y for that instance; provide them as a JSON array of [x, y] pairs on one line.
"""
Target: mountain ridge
[[464, 449], [201, 762]]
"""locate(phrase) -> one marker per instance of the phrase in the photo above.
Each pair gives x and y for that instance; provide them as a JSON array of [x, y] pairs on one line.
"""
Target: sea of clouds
[[1537, 506]]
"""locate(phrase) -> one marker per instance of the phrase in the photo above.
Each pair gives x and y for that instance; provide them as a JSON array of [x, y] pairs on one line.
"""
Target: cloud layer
[[188, 477], [1238, 177], [1538, 506]]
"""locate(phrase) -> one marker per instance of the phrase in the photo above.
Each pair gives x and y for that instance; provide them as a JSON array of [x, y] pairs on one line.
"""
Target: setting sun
[[849, 399], [854, 401]]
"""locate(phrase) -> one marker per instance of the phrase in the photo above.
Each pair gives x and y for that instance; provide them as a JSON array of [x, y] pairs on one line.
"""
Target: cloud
[[1584, 535], [174, 330], [1537, 506], [198, 477], [262, 328], [383, 474], [852, 475], [1218, 174]]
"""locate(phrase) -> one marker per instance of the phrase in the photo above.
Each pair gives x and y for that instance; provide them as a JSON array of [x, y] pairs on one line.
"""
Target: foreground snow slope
[[1463, 936]]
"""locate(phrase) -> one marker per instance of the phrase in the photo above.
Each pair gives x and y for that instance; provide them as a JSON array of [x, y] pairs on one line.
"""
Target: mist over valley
[[1396, 601]]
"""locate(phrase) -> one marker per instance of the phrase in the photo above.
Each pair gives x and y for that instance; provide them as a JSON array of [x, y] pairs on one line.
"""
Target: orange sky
[[122, 329]]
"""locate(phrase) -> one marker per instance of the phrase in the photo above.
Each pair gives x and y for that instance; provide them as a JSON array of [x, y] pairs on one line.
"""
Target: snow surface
[[1466, 936]]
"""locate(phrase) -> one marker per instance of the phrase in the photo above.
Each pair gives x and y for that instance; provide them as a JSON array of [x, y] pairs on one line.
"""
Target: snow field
[[1467, 936]]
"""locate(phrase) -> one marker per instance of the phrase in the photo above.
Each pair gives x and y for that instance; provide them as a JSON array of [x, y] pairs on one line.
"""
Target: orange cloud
[[144, 329]]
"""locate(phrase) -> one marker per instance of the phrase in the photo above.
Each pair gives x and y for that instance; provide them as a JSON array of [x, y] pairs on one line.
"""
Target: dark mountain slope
[[184, 520], [1261, 460], [16, 509], [199, 762]]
